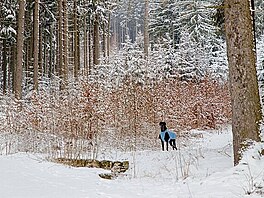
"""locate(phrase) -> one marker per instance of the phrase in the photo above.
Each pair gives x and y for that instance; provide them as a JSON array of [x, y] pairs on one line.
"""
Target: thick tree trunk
[[19, 55], [242, 75]]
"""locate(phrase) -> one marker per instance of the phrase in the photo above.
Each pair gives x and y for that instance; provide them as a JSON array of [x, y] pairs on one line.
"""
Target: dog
[[167, 136]]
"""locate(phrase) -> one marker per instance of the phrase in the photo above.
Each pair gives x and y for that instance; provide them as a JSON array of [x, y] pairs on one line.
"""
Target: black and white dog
[[167, 136]]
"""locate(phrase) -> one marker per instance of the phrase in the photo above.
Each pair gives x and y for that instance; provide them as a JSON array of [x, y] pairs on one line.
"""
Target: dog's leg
[[174, 145], [162, 145]]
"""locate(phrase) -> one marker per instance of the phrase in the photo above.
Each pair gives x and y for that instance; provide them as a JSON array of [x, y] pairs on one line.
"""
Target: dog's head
[[162, 126]]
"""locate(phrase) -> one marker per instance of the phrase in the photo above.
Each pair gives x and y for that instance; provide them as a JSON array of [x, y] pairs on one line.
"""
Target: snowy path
[[156, 174]]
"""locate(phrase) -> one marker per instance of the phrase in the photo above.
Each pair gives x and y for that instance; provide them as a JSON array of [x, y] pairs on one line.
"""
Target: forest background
[[91, 78]]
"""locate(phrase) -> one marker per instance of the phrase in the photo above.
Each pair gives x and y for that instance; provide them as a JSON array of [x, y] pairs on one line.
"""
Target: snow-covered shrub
[[60, 123], [86, 117]]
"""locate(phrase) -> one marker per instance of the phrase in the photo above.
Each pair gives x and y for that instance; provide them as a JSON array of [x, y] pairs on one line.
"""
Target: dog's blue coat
[[171, 134]]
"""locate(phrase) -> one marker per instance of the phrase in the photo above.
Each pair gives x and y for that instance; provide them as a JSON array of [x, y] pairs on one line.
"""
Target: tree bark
[[252, 8], [246, 109], [19, 54]]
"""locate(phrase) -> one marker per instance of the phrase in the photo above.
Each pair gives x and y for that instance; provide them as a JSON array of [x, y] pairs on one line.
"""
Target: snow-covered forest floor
[[201, 167]]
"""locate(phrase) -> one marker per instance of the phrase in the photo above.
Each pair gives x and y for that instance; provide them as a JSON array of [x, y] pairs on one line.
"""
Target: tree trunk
[[146, 34], [108, 35], [19, 55], [90, 49], [85, 54], [65, 41], [51, 54], [76, 41], [104, 40], [245, 99], [4, 65], [36, 45], [11, 72], [29, 45], [60, 41], [42, 54], [96, 49]]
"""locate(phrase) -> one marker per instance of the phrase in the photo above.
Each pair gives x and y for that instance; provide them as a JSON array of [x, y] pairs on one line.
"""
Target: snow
[[201, 167]]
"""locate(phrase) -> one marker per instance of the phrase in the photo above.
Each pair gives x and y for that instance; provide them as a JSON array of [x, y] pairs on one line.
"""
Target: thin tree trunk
[[76, 40], [19, 54], [51, 54], [242, 75], [96, 49], [108, 35], [104, 41], [60, 37], [65, 42], [36, 44], [42, 55], [146, 34], [28, 64], [85, 54], [11, 73], [90, 53], [4, 65]]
